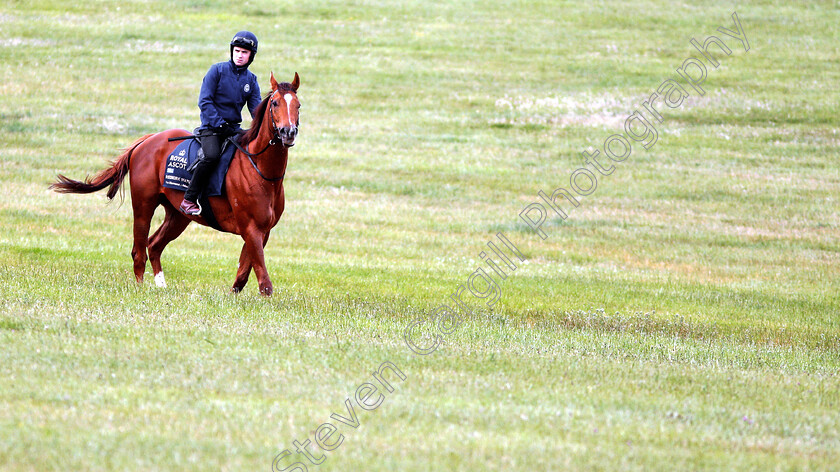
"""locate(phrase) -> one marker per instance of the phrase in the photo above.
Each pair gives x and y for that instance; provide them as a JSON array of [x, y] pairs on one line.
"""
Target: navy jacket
[[224, 91]]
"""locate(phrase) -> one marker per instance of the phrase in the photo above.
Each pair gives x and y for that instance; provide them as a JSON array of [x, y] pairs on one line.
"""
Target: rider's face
[[241, 56]]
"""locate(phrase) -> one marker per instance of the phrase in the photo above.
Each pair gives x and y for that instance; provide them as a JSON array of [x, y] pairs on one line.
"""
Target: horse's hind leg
[[243, 270], [144, 209], [174, 223]]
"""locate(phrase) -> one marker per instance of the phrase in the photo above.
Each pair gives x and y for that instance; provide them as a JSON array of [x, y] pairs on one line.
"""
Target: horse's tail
[[112, 175]]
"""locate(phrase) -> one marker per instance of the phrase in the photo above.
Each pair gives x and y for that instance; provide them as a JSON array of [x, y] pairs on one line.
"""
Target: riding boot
[[200, 176], [211, 145]]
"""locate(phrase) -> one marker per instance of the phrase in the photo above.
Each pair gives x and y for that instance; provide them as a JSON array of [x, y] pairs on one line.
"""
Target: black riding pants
[[211, 144]]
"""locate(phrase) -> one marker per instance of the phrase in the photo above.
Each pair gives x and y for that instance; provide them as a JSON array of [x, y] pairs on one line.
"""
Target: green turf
[[683, 317]]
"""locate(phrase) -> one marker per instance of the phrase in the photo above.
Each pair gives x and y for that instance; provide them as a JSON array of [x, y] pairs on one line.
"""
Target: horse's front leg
[[253, 251], [245, 266]]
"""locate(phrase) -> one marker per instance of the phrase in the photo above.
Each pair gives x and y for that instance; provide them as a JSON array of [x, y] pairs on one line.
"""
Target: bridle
[[276, 138], [271, 105]]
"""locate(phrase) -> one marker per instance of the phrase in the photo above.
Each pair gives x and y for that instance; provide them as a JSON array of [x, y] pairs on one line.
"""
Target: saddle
[[180, 166], [183, 159]]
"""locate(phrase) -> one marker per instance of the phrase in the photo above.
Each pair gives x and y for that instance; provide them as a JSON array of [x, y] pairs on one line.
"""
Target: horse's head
[[284, 109]]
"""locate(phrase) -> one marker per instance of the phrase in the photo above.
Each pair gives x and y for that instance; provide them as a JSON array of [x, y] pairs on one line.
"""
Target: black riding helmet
[[245, 40]]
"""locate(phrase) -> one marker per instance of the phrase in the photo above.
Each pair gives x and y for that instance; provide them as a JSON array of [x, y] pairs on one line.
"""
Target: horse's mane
[[259, 114]]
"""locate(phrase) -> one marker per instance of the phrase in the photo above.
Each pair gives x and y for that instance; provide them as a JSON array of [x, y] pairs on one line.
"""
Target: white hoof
[[160, 281]]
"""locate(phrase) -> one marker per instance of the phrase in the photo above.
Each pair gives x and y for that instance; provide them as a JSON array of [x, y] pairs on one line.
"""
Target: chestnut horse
[[251, 206]]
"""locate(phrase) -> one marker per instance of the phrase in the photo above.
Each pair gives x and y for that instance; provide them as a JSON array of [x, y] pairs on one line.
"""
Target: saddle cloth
[[180, 163]]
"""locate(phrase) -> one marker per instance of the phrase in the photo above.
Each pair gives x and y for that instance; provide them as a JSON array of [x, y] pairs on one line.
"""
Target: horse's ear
[[273, 82], [296, 82]]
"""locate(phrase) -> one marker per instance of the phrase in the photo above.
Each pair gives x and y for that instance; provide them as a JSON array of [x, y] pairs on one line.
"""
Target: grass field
[[685, 316]]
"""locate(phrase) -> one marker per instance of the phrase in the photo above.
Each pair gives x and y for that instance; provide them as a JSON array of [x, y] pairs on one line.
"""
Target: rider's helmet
[[245, 40]]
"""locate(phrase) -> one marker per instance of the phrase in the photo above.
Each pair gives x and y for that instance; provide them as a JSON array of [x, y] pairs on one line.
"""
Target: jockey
[[226, 88]]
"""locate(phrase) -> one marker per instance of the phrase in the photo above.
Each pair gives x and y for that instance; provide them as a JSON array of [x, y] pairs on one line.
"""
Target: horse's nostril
[[289, 132]]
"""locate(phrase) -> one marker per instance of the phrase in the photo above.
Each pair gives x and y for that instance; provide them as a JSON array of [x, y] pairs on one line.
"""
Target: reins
[[251, 156], [271, 142], [251, 159]]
